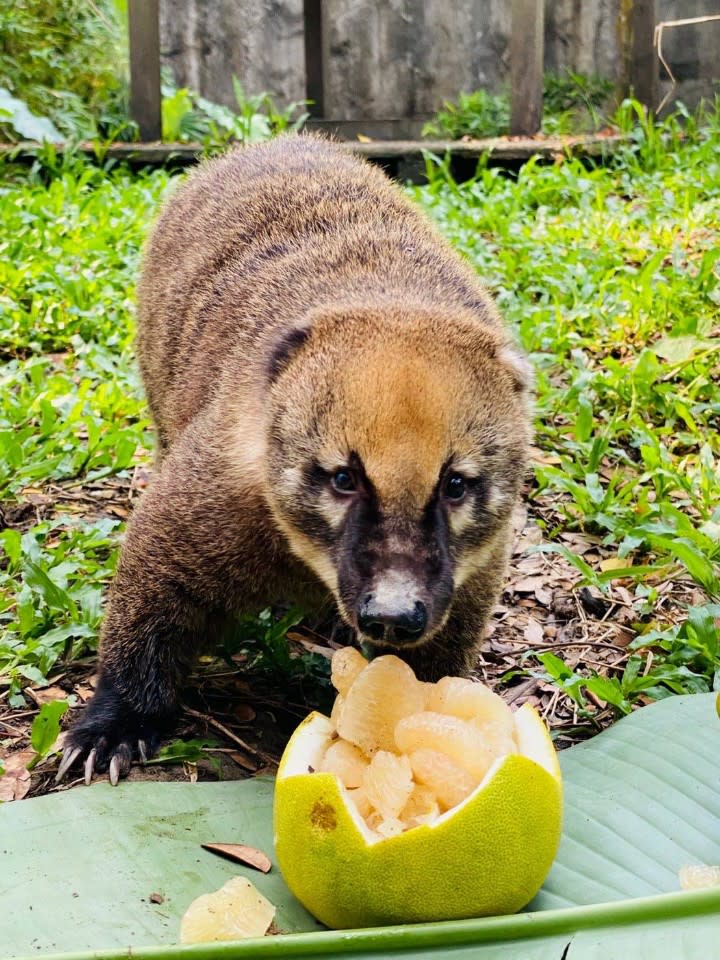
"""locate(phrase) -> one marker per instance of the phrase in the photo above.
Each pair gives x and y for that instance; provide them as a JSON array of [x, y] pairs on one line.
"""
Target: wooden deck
[[403, 158]]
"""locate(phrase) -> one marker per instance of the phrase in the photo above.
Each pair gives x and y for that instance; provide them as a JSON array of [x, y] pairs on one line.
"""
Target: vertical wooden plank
[[144, 35], [643, 58], [526, 66], [314, 80]]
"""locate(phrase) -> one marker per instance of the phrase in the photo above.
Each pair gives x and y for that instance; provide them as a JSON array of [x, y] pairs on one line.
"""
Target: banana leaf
[[78, 869]]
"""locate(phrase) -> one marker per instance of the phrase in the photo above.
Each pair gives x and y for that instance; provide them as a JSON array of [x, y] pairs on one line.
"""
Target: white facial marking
[[291, 479], [333, 509], [393, 590], [460, 518], [466, 468]]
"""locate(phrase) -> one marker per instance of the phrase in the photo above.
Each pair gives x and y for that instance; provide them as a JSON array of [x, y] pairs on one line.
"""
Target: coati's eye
[[343, 481], [455, 488]]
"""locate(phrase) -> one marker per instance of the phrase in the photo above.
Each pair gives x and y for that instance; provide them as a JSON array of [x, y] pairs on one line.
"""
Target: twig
[[228, 733], [13, 731], [98, 13], [567, 643], [657, 42], [526, 687]]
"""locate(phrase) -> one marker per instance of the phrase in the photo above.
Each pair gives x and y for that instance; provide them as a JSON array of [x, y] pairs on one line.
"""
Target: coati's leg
[[189, 550], [151, 632]]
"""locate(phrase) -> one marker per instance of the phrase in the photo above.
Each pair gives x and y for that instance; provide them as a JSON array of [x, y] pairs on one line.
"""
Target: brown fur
[[295, 311]]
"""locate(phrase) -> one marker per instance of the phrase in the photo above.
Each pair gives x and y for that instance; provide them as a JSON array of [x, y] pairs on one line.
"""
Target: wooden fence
[[635, 26]]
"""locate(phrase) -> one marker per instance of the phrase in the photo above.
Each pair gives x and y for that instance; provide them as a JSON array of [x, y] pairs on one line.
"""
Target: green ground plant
[[609, 275], [64, 75], [66, 61], [572, 103]]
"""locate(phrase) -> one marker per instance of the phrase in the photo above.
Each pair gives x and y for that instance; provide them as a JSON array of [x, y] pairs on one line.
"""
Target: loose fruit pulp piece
[[235, 911], [449, 782], [697, 876], [346, 762], [383, 693], [462, 742], [388, 783]]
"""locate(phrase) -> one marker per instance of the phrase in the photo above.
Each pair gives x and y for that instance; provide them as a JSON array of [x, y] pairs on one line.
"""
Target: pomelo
[[428, 834]]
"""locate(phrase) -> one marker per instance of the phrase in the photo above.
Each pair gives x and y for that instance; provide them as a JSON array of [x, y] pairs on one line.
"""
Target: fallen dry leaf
[[245, 762], [528, 584], [614, 563], [15, 782], [241, 853], [41, 695], [244, 713], [533, 632]]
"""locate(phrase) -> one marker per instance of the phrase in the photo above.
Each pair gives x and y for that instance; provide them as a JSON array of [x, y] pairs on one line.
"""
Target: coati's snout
[[395, 574], [393, 470]]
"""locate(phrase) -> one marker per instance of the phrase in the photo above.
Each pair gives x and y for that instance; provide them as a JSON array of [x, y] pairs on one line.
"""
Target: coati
[[340, 414]]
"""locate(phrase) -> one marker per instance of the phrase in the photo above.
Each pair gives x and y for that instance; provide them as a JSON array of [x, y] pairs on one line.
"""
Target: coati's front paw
[[108, 736]]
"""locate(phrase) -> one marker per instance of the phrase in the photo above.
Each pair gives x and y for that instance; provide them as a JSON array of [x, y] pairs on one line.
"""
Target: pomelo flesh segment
[[383, 693], [388, 783], [337, 711], [346, 762], [449, 782], [391, 827], [360, 799], [497, 737], [422, 807], [347, 663], [461, 741], [469, 700]]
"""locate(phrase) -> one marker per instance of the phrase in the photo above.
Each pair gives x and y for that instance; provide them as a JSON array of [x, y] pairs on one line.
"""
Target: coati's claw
[[68, 759], [90, 766], [114, 772], [108, 737]]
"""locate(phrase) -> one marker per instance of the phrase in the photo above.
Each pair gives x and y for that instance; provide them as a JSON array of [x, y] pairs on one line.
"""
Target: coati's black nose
[[392, 625]]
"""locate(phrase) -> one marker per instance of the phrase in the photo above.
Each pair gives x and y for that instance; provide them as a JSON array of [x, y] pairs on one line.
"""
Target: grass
[[609, 275], [71, 410]]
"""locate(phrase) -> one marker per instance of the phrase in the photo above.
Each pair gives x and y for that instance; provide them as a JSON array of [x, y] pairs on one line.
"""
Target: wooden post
[[144, 30], [526, 66], [643, 59], [314, 88]]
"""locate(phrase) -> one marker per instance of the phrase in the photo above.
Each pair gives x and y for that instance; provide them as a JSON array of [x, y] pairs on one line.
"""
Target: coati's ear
[[518, 365], [284, 349]]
